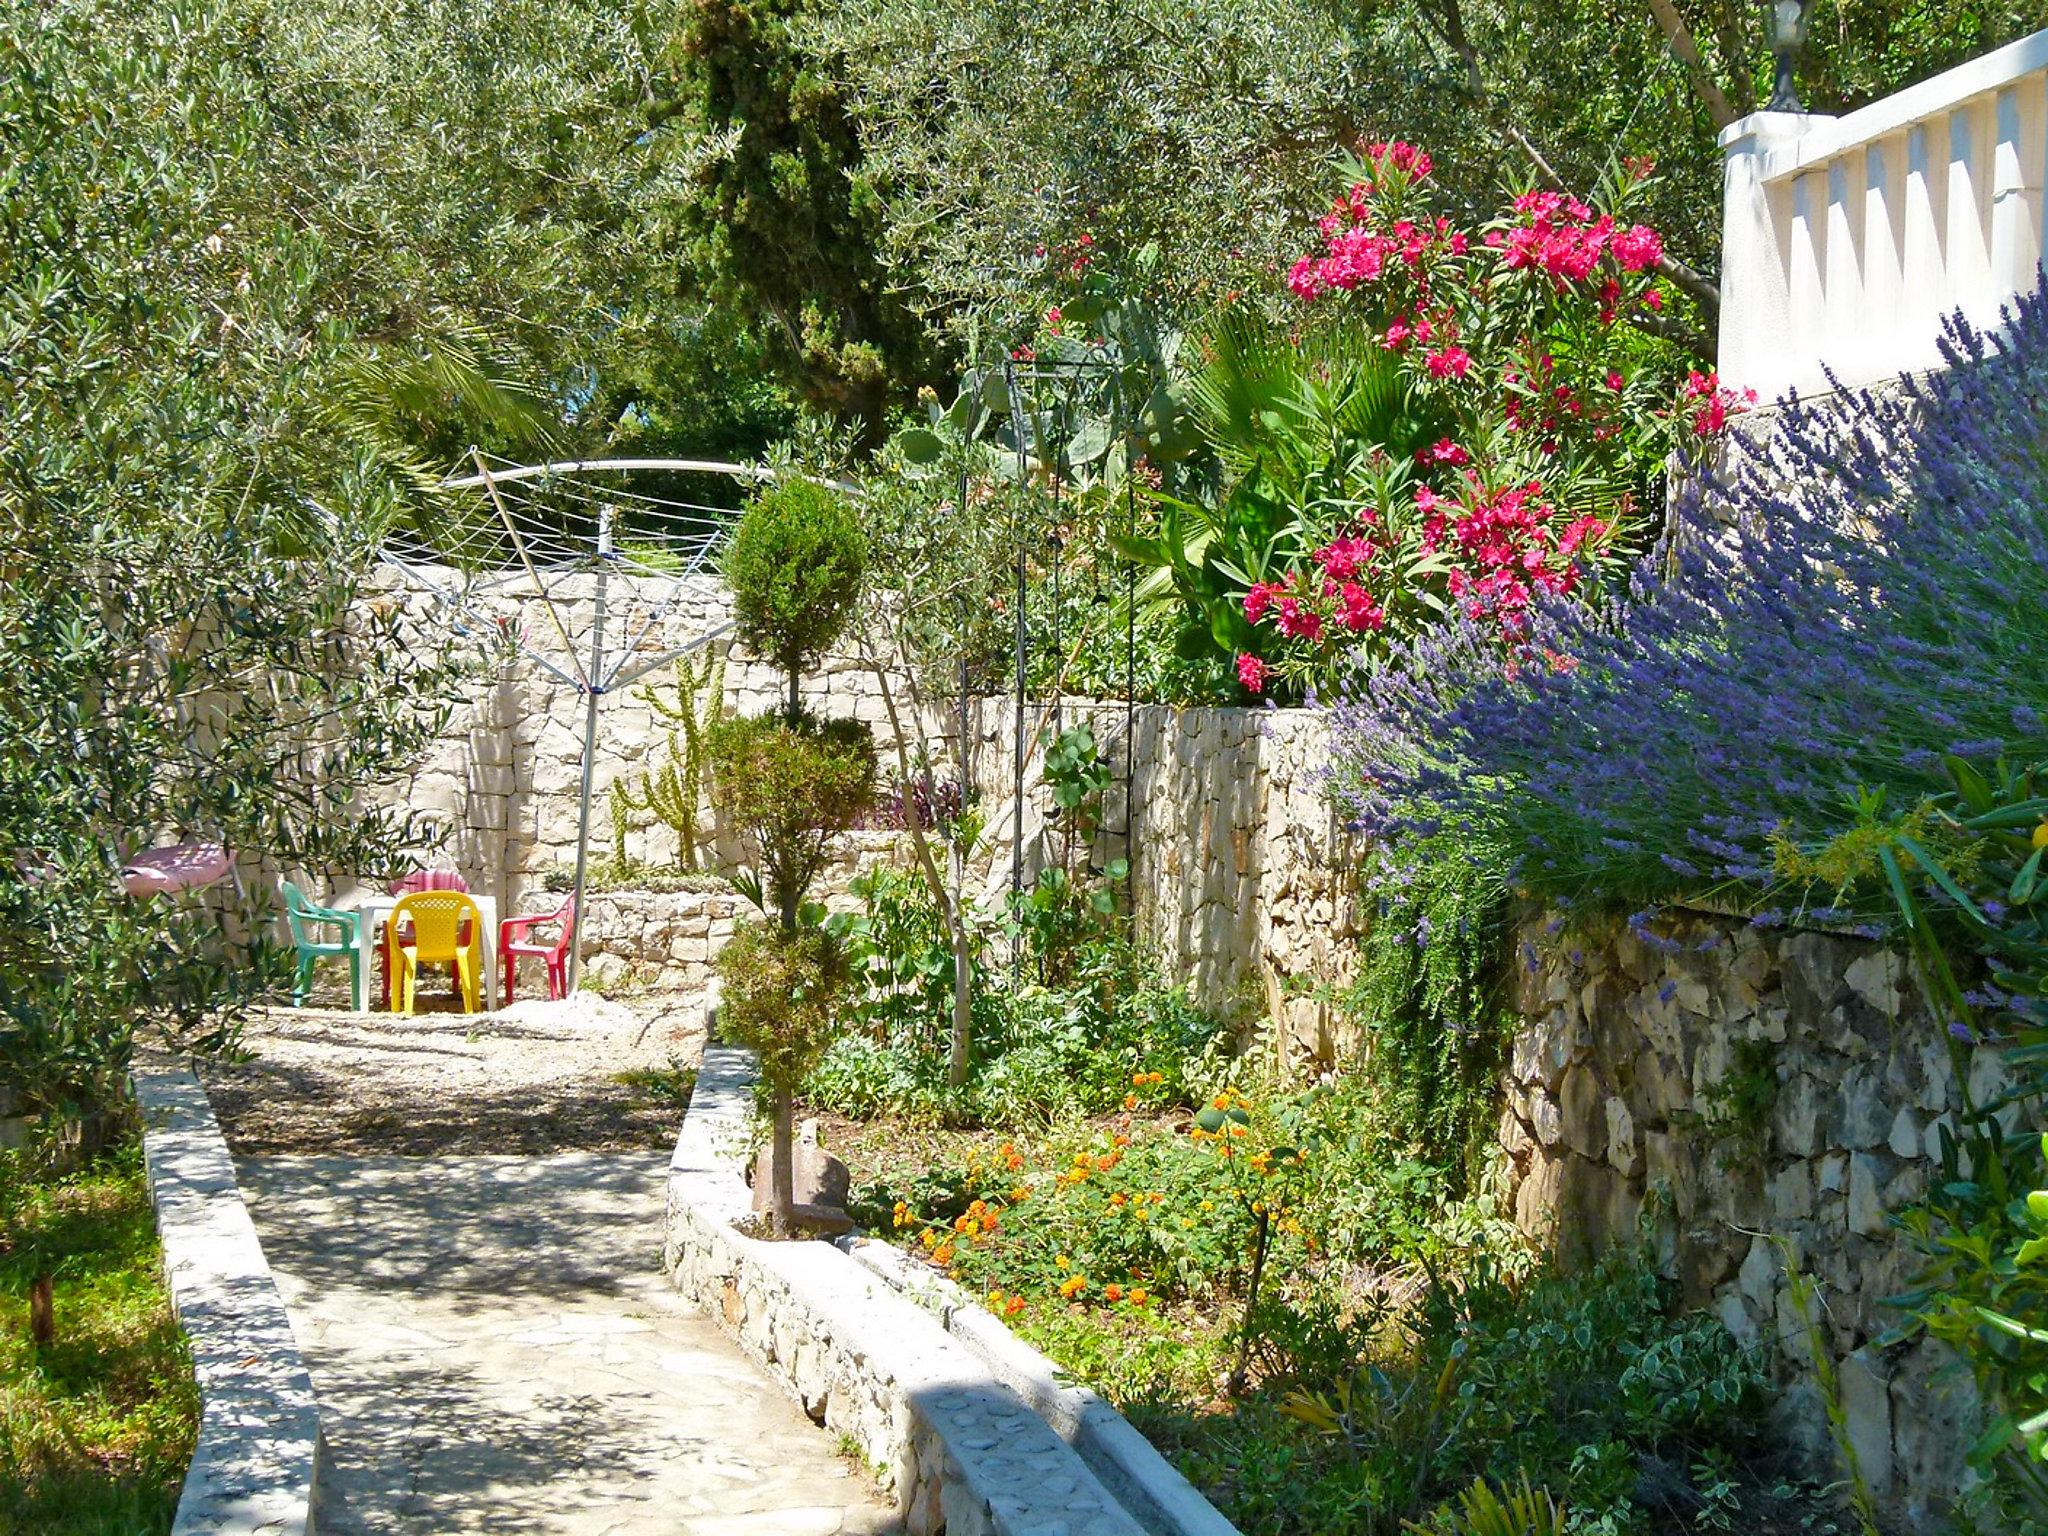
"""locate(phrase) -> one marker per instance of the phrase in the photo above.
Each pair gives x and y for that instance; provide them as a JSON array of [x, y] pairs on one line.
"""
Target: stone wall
[[1242, 873], [1243, 876], [1621, 1109], [504, 781]]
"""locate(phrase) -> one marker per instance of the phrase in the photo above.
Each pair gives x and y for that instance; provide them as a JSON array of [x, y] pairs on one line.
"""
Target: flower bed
[[1398, 1346]]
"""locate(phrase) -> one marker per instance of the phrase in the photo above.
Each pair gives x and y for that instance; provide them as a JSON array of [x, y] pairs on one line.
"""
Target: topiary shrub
[[795, 567], [787, 783], [778, 995], [788, 786]]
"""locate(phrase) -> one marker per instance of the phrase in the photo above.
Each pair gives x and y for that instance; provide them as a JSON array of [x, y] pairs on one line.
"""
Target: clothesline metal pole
[[593, 691]]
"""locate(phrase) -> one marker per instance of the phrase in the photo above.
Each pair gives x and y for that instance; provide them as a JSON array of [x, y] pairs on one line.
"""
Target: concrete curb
[[965, 1453], [1144, 1481], [254, 1469]]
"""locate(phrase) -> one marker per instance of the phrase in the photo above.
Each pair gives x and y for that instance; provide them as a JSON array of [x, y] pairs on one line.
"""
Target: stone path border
[[963, 1452], [258, 1455], [1144, 1481]]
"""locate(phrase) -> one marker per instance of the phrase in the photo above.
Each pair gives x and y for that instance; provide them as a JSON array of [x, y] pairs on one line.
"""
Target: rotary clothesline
[[513, 534]]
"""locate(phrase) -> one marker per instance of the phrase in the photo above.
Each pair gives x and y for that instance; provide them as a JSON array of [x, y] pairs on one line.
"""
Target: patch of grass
[[661, 1085], [96, 1428]]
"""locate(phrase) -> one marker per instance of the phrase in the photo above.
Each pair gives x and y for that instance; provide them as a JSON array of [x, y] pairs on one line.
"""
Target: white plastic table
[[369, 933]]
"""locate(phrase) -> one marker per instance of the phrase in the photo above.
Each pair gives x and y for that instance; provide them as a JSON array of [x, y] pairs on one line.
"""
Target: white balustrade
[[1847, 240]]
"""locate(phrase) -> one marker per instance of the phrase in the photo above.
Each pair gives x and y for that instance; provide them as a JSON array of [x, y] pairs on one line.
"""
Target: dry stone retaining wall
[[1620, 1111], [1244, 876]]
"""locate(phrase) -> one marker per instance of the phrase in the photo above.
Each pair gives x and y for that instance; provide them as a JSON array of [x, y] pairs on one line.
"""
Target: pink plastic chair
[[429, 880], [512, 943]]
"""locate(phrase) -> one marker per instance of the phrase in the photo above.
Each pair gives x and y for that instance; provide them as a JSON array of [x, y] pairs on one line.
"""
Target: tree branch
[[1704, 85]]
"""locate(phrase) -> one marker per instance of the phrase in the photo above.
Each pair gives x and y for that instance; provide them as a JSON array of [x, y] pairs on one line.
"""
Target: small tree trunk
[[963, 1007], [42, 1311], [782, 1190]]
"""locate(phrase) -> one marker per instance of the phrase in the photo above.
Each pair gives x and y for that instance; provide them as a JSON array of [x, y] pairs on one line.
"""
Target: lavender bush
[[1862, 592]]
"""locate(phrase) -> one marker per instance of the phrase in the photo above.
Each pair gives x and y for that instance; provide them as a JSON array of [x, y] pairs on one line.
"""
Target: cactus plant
[[673, 792]]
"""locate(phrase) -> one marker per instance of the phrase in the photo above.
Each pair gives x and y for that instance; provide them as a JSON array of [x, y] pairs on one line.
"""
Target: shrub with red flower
[[1534, 339]]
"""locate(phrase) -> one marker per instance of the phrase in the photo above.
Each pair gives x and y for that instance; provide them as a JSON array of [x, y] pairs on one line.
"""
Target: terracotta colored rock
[[819, 1180]]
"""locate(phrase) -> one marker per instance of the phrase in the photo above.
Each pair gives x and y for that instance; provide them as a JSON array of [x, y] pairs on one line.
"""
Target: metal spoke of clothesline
[[539, 533]]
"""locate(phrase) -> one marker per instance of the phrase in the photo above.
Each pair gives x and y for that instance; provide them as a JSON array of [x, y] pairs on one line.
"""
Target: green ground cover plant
[[96, 1425], [1401, 1345]]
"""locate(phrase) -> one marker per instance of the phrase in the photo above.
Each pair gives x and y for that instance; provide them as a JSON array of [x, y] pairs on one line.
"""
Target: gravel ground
[[585, 1075]]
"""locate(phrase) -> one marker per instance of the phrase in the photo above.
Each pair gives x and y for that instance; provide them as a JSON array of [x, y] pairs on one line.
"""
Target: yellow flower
[[1139, 1296], [1208, 1205], [1062, 1261], [1187, 1221]]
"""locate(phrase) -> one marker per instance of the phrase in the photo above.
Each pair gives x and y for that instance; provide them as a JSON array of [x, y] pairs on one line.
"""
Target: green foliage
[[795, 566], [189, 646], [783, 222], [1431, 1003], [95, 1429], [779, 995], [1041, 1055], [1736, 1107], [898, 950], [1983, 1290], [997, 131], [673, 791], [1481, 1510], [788, 787]]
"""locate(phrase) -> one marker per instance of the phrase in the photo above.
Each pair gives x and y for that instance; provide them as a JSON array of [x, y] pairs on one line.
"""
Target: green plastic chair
[[307, 920]]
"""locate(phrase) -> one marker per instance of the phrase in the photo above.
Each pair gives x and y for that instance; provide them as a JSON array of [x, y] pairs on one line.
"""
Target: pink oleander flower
[[1358, 610], [1442, 451], [1451, 362], [1298, 621], [1258, 600], [1638, 248], [1251, 672], [1341, 558]]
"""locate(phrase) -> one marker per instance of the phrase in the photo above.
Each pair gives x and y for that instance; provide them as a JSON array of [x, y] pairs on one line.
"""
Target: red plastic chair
[[512, 943]]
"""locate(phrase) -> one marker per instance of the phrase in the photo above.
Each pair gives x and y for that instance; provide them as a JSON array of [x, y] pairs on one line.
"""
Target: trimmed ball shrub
[[795, 566]]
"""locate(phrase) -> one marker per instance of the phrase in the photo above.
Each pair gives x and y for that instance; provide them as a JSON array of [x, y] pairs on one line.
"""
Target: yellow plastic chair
[[445, 928]]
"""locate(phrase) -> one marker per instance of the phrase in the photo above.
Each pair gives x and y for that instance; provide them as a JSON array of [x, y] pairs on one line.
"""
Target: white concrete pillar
[[1756, 250]]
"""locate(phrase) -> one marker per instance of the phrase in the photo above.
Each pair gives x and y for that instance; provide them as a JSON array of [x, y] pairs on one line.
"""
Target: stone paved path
[[495, 1349]]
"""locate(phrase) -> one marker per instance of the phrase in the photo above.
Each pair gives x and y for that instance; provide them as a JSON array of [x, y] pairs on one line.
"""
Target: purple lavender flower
[[1865, 589]]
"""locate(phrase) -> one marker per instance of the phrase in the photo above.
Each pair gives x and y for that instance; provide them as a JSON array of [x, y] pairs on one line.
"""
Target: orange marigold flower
[[1139, 1296], [1013, 1306], [1113, 1291], [1130, 1101], [944, 1254]]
